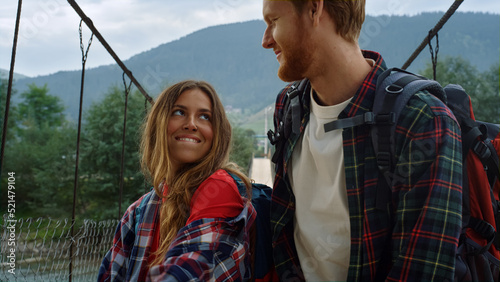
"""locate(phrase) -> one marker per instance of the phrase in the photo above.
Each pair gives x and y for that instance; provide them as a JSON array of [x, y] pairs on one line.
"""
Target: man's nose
[[267, 39]]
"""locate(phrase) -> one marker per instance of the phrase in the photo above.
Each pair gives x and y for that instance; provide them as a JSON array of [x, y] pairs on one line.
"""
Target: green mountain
[[232, 59]]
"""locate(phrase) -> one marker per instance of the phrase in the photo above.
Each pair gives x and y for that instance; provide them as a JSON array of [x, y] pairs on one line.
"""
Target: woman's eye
[[205, 117], [178, 113]]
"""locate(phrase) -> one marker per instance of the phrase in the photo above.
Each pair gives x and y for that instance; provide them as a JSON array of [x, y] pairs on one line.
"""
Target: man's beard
[[296, 61]]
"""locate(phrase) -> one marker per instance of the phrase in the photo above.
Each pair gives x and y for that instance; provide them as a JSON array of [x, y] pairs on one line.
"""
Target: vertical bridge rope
[[434, 54], [127, 91], [84, 60]]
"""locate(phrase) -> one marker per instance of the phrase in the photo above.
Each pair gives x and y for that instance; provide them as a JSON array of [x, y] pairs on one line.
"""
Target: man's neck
[[338, 78]]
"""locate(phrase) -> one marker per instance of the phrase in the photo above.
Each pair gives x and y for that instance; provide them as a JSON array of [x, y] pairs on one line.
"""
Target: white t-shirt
[[322, 227]]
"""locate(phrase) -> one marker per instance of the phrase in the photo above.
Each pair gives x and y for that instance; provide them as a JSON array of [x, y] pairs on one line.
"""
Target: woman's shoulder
[[220, 182], [216, 197], [221, 175]]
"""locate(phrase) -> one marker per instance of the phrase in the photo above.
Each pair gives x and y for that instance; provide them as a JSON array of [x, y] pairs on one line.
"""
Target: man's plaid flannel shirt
[[427, 197], [206, 249]]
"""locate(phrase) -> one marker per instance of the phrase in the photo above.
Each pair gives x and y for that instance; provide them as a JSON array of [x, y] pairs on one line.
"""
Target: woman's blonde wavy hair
[[157, 165]]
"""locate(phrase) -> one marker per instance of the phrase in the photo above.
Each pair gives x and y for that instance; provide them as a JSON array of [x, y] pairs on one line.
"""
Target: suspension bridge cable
[[146, 190], [127, 91], [90, 25], [434, 55], [9, 86], [84, 60], [433, 32]]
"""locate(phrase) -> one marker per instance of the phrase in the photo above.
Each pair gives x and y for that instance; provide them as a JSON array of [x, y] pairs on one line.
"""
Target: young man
[[326, 222]]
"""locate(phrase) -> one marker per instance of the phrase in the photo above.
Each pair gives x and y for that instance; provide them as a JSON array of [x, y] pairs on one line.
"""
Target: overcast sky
[[49, 40]]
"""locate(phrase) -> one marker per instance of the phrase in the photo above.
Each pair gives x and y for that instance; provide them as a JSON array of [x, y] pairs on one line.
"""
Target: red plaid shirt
[[205, 249], [421, 243]]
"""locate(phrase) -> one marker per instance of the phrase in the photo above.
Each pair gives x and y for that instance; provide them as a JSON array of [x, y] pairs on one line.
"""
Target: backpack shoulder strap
[[477, 136], [289, 118], [480, 156], [394, 89]]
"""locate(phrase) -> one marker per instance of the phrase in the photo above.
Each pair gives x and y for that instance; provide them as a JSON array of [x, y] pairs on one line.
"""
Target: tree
[[12, 108], [44, 161], [9, 137], [101, 147], [242, 147], [483, 88], [489, 96], [36, 152], [40, 107]]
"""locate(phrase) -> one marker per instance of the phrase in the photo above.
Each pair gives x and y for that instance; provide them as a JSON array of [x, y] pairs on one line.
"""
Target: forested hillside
[[232, 59]]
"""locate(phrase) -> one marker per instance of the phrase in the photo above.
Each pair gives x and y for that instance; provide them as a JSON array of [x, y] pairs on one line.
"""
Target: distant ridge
[[4, 74], [231, 58]]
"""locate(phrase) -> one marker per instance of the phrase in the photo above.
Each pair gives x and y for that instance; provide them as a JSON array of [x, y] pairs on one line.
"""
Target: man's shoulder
[[426, 102], [423, 108]]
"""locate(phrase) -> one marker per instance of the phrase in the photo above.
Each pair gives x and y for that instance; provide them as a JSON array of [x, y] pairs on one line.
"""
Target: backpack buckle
[[369, 118], [389, 118], [482, 150], [273, 137], [483, 228], [384, 161]]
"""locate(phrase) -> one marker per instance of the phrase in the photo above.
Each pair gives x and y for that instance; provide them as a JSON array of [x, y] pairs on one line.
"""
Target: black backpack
[[478, 251], [261, 245]]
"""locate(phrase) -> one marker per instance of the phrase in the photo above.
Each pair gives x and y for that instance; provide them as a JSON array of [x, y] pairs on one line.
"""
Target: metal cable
[[433, 32], [145, 178], [90, 25], [9, 86], [127, 90], [434, 55], [84, 60]]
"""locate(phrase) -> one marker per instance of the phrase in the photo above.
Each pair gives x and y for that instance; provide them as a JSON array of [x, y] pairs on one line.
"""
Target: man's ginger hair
[[348, 15]]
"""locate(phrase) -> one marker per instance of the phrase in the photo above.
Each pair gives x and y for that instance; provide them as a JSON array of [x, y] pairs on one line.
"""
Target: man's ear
[[315, 10]]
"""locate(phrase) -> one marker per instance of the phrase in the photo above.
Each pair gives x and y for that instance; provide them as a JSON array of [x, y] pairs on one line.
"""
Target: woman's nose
[[191, 124]]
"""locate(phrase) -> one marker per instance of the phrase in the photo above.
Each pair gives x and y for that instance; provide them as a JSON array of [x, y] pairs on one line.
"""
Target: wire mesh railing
[[39, 249]]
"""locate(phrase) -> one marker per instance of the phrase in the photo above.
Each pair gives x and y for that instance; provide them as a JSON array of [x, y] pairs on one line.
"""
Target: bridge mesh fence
[[39, 249]]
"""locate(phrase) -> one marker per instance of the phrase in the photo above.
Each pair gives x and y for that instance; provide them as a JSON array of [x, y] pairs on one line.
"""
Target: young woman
[[194, 225]]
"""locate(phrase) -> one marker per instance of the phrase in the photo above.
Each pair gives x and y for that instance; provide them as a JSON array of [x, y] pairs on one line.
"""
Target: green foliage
[[101, 147], [36, 151], [12, 108], [41, 108], [11, 125], [483, 87], [45, 168], [242, 147]]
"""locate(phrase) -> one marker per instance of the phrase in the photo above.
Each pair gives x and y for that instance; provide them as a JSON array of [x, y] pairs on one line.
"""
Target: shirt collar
[[363, 99]]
